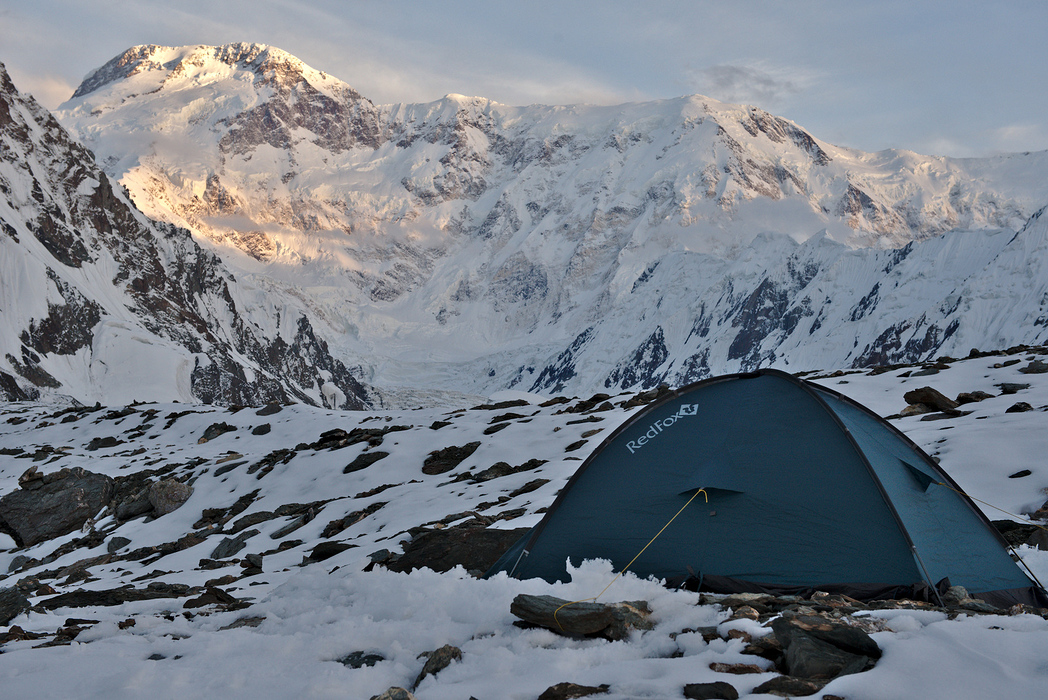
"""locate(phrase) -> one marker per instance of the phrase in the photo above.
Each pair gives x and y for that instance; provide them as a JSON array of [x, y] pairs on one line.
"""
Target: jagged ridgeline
[[471, 246], [100, 303]]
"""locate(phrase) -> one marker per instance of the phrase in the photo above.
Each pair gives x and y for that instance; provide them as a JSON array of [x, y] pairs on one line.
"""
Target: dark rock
[[12, 604], [500, 469], [253, 621], [253, 560], [532, 485], [492, 429], [210, 596], [116, 544], [1016, 533], [441, 461], [930, 397], [363, 461], [819, 647], [575, 445], [359, 659], [117, 596], [326, 550], [336, 526], [972, 396], [132, 506], [214, 430], [441, 550], [736, 669], [789, 687], [231, 545], [394, 693], [1019, 407], [437, 661], [62, 504], [1020, 474], [168, 495], [263, 429], [566, 691], [1035, 367], [841, 635], [269, 409], [251, 519], [612, 621], [711, 691], [101, 443], [1011, 387]]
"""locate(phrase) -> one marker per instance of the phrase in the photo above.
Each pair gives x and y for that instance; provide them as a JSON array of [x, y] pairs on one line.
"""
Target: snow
[[319, 613]]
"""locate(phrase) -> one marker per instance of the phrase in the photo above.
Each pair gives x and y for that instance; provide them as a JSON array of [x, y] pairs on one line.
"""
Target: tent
[[802, 489]]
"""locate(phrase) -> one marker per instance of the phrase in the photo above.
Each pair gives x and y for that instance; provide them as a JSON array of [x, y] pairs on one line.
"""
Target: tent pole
[[927, 577]]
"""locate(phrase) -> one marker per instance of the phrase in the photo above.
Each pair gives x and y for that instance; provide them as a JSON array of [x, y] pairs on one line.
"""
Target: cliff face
[[100, 303], [468, 245]]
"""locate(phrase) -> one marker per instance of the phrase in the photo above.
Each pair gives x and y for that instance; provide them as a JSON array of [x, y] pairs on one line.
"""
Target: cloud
[[1020, 137], [748, 84]]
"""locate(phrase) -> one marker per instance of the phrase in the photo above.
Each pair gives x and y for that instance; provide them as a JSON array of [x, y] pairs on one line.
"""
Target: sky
[[940, 77]]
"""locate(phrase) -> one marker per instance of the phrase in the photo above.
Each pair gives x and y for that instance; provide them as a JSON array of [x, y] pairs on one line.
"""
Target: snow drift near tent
[[802, 489]]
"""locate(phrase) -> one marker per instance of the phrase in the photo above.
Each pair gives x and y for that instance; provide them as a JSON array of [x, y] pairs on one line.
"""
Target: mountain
[[464, 244], [100, 303]]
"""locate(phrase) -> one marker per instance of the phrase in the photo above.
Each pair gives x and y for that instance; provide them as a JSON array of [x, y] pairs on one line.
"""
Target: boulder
[[168, 495], [394, 693], [440, 461], [231, 545], [567, 691], [474, 548], [972, 396], [790, 687], [12, 604], [930, 397], [437, 661], [711, 691], [612, 621], [58, 504], [817, 647], [1019, 407]]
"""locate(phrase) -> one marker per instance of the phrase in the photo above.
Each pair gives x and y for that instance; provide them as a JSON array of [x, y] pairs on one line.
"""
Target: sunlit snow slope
[[471, 245]]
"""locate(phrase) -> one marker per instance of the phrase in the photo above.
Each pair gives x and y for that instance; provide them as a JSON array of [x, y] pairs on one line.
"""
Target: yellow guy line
[[594, 598]]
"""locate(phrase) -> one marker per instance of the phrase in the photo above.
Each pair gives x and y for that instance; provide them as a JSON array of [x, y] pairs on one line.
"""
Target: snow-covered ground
[[319, 613]]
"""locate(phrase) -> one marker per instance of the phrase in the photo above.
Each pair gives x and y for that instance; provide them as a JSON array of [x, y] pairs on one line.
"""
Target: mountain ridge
[[463, 244]]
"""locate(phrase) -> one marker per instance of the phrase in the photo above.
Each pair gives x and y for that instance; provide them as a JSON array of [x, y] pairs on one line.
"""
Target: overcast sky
[[944, 77]]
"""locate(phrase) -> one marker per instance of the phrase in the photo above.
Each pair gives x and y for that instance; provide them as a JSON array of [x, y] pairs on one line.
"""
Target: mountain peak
[[200, 61]]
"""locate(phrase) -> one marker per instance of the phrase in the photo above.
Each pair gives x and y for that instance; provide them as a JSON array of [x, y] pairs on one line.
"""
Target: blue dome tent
[[802, 489]]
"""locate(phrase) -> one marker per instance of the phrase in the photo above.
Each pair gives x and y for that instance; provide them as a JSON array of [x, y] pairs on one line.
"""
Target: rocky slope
[[100, 302], [470, 245]]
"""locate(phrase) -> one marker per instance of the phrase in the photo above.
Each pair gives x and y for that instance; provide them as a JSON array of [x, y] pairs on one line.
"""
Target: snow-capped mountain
[[98, 302], [470, 245]]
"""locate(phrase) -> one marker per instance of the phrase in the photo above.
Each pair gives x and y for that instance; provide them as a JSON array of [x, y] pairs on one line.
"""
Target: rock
[[116, 596], [1020, 474], [231, 545], [1039, 539], [441, 461], [269, 409], [214, 430], [1019, 407], [474, 548], [736, 669], [168, 495], [972, 396], [930, 397], [394, 693], [437, 661], [116, 544], [711, 691], [566, 691], [62, 504], [12, 604], [17, 563], [1011, 387], [612, 621], [359, 659], [823, 648], [789, 687], [101, 443], [263, 429], [326, 550], [132, 506], [363, 461], [915, 409], [1035, 367], [210, 596]]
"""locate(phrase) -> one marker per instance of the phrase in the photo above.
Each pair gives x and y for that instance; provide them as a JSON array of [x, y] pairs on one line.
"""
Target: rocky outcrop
[[50, 505]]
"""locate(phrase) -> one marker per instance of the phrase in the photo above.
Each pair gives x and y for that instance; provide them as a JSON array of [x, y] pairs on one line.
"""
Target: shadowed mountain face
[[467, 245], [99, 302]]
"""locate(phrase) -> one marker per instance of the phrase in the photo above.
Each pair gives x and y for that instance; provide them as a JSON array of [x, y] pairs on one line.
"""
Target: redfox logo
[[656, 428]]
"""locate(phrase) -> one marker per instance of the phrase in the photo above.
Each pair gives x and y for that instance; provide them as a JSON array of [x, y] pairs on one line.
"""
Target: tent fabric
[[803, 489]]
